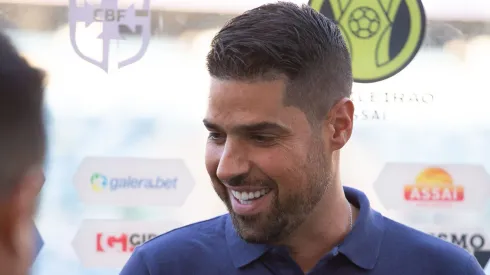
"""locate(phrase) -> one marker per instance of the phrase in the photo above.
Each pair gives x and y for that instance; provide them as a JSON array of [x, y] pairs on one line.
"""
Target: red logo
[[123, 242], [434, 184]]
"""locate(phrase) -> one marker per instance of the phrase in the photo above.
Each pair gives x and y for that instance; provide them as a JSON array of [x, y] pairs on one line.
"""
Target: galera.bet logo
[[112, 18], [382, 36], [98, 182]]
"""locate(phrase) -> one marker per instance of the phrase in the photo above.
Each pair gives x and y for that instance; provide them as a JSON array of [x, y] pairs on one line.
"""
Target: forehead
[[236, 100], [234, 104], [259, 95]]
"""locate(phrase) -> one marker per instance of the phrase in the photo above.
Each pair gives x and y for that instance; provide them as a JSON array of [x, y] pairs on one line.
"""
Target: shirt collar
[[362, 245], [242, 253], [367, 233]]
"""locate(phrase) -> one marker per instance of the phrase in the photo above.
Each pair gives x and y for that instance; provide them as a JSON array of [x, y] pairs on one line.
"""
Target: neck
[[324, 228]]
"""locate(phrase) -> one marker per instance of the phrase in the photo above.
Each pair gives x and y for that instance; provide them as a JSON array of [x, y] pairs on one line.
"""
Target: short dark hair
[[22, 132], [284, 39]]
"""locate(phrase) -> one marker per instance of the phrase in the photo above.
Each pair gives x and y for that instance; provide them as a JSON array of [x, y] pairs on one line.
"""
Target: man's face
[[266, 163]]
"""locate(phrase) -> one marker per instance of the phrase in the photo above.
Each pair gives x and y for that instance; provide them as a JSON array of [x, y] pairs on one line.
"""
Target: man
[[22, 146], [278, 115]]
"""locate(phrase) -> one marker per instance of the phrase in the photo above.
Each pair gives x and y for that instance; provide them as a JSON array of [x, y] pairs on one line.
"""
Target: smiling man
[[279, 113]]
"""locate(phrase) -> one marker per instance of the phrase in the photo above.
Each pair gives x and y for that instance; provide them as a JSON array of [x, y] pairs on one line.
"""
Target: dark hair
[[22, 132], [283, 39]]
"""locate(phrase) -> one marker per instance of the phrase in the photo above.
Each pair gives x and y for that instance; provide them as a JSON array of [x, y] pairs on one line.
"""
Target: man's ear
[[340, 123]]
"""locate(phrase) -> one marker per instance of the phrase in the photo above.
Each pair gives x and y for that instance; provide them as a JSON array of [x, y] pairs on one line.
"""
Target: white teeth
[[246, 197]]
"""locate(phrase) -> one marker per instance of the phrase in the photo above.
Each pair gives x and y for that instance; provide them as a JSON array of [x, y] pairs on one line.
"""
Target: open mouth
[[247, 197]]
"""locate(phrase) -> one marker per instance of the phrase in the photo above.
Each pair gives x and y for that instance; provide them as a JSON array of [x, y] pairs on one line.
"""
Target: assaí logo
[[434, 184], [101, 182]]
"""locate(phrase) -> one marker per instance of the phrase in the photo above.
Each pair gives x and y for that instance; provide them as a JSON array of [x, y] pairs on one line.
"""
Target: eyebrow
[[253, 127]]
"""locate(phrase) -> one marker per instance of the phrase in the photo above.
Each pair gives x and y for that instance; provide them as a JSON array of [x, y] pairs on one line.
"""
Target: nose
[[233, 161]]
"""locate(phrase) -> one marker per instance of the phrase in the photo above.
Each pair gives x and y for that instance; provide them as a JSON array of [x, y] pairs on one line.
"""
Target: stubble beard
[[284, 217]]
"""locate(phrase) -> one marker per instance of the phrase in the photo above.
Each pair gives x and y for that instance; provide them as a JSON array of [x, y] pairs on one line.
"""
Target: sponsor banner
[[471, 240], [386, 105], [383, 37], [109, 243], [371, 29], [111, 16], [483, 258], [133, 181], [474, 241], [408, 186]]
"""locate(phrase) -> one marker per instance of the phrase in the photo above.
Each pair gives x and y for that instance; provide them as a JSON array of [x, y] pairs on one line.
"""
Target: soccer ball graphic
[[364, 22]]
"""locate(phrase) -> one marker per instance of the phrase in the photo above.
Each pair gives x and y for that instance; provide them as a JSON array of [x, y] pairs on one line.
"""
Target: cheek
[[212, 157], [291, 181], [285, 167]]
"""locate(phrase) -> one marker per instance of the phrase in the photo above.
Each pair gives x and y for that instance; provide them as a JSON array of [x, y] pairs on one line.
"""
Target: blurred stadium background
[[154, 107]]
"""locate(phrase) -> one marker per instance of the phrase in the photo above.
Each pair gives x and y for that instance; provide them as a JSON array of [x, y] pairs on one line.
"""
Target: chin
[[257, 228], [250, 228], [253, 235]]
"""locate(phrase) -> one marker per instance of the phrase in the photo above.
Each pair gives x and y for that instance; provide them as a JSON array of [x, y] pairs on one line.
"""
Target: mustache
[[247, 180]]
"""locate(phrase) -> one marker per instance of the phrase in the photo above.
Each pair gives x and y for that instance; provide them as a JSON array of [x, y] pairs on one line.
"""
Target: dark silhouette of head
[[22, 149]]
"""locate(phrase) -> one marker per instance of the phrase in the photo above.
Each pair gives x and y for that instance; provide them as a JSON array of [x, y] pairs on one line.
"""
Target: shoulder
[[427, 251], [191, 237], [178, 250], [200, 233]]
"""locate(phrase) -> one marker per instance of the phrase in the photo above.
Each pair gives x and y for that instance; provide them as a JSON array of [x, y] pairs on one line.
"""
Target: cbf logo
[[383, 36], [111, 17]]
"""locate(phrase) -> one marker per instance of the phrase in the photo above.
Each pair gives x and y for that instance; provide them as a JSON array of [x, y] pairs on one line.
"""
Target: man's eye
[[215, 136], [262, 138]]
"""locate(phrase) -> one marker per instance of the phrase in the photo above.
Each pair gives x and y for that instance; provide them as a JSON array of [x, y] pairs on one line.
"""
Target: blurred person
[[22, 149], [278, 115]]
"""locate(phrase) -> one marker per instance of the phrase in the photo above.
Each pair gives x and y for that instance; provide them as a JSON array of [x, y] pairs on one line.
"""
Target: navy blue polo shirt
[[376, 246]]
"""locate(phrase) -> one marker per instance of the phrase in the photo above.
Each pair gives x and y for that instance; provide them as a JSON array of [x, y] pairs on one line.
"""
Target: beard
[[285, 213]]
